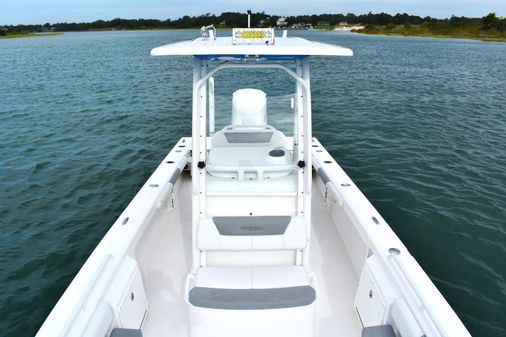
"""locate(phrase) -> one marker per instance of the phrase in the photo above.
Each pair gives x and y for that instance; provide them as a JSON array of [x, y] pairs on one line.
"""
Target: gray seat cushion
[[252, 299], [378, 331], [120, 332]]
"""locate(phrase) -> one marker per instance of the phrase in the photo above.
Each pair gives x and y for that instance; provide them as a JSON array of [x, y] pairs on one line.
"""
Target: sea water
[[418, 123]]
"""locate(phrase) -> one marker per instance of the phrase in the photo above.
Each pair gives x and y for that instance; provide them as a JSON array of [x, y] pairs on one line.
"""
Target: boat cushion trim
[[248, 137], [119, 332], [251, 225], [323, 176], [378, 331], [175, 176], [252, 299], [209, 237]]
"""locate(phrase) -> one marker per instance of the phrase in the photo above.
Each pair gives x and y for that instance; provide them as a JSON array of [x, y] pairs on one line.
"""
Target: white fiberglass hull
[[137, 276]]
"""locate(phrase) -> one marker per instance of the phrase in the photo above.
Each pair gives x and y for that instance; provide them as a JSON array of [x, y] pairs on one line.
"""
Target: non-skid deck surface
[[171, 261], [335, 276], [165, 277]]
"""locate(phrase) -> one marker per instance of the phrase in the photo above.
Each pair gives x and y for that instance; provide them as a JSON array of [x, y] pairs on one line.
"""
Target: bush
[[390, 26], [490, 20], [501, 25], [3, 32]]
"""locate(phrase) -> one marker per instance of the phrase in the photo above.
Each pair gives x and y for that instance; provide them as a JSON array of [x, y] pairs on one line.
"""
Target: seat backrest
[[251, 233], [233, 136]]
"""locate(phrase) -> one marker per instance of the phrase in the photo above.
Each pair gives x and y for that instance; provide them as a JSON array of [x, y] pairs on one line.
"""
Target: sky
[[52, 11]]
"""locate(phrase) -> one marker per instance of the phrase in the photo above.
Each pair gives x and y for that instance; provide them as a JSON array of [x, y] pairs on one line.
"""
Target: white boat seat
[[378, 331], [253, 301], [251, 277], [251, 153], [251, 233]]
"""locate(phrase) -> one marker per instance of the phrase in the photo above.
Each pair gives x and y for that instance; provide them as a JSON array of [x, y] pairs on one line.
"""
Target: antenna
[[249, 18]]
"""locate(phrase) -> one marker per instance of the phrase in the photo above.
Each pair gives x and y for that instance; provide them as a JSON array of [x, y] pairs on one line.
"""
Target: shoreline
[[470, 33], [438, 36], [358, 31], [21, 35]]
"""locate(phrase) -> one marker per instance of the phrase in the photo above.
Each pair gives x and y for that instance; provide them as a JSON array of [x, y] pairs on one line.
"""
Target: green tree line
[[233, 19]]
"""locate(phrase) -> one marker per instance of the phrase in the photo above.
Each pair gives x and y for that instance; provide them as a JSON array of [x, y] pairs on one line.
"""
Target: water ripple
[[418, 124]]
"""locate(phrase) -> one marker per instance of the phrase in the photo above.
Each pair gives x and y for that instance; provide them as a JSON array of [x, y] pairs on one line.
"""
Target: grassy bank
[[11, 36], [476, 32]]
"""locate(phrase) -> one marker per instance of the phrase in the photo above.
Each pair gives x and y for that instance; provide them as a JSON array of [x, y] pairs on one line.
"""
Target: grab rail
[[79, 306], [211, 105], [335, 193], [260, 170], [394, 255], [439, 319]]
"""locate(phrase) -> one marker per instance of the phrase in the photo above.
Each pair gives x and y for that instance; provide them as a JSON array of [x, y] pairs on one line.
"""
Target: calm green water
[[418, 123]]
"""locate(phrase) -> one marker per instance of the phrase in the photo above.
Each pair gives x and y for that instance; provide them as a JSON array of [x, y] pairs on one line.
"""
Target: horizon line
[[204, 14]]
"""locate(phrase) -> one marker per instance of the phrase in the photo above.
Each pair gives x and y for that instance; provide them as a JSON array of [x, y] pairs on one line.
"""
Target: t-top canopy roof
[[283, 47]]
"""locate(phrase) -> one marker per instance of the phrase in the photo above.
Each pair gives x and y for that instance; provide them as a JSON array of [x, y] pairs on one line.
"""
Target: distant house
[[343, 23], [302, 25], [323, 23], [281, 22], [263, 23]]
